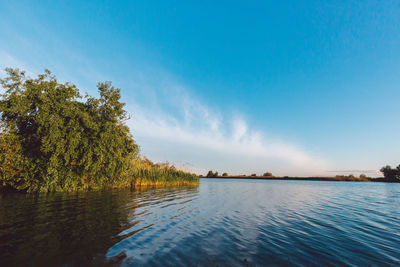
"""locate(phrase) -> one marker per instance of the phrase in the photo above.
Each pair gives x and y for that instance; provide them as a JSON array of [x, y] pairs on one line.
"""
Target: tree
[[253, 174], [268, 174], [390, 174], [225, 174], [363, 176], [210, 174], [58, 139]]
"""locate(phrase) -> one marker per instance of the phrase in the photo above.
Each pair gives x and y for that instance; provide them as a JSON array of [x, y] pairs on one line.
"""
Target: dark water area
[[220, 223]]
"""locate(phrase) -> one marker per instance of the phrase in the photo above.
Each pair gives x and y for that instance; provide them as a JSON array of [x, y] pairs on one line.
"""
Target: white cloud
[[202, 137], [174, 127]]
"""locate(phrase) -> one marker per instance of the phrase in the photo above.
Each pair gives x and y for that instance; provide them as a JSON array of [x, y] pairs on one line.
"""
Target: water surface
[[221, 222]]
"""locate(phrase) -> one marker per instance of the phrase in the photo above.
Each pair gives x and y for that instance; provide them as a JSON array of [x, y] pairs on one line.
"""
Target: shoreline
[[311, 178], [139, 185]]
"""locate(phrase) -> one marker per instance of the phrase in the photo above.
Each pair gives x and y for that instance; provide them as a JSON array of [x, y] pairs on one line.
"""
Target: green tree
[[268, 174], [253, 174], [225, 174], [210, 174], [58, 139], [390, 174]]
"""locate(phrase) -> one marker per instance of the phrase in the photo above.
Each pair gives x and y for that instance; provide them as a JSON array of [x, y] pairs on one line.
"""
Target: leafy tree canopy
[[212, 174], [52, 138], [392, 175]]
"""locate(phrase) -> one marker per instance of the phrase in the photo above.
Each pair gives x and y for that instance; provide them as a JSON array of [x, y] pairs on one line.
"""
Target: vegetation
[[351, 177], [147, 173], [53, 139], [212, 174], [391, 175]]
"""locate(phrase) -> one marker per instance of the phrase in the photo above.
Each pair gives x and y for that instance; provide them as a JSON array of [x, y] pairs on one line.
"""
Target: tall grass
[[143, 172]]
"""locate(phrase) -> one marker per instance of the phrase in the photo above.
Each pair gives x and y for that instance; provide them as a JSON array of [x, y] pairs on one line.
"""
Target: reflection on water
[[74, 229], [221, 222]]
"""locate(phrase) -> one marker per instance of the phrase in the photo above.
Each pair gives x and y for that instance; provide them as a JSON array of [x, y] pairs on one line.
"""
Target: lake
[[220, 222]]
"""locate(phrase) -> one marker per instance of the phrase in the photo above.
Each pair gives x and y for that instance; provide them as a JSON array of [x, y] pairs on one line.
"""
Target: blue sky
[[292, 87]]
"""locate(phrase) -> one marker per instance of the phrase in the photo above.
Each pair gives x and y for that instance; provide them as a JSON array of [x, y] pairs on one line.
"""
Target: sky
[[291, 87]]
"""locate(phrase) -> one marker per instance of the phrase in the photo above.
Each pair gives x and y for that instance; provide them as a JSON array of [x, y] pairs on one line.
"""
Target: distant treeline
[[390, 175], [212, 174], [53, 139]]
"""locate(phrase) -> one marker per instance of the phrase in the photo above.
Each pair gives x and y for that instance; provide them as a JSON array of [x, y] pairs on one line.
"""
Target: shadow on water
[[74, 228]]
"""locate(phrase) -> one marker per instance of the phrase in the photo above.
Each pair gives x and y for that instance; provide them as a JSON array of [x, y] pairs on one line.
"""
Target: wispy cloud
[[9, 61], [203, 137], [174, 127]]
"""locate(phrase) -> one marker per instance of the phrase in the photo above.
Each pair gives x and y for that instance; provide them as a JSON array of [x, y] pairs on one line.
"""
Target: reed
[[143, 172]]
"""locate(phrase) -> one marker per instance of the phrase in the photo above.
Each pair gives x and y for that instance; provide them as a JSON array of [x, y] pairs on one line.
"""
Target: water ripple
[[219, 223], [271, 222]]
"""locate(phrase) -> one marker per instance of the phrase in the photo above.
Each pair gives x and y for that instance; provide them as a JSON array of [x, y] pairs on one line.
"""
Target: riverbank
[[292, 178], [52, 139]]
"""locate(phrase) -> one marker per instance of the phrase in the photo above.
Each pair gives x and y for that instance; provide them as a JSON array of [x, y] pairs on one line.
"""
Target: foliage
[[212, 174], [390, 174], [225, 174], [351, 177], [268, 174], [253, 174], [144, 172], [12, 162], [53, 139]]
